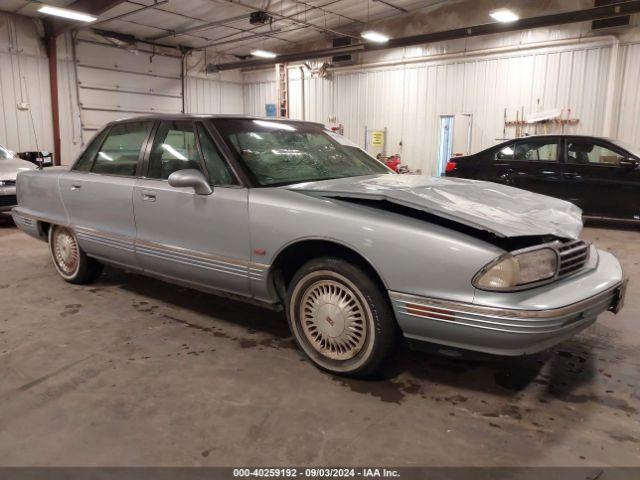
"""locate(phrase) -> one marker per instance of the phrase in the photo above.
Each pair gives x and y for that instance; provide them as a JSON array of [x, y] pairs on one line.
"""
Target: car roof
[[190, 116], [546, 135]]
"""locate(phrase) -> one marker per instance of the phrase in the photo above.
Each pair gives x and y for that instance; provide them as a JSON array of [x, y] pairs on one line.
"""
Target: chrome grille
[[8, 200], [573, 256]]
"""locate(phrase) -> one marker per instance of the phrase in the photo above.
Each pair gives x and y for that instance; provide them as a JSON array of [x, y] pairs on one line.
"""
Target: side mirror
[[191, 178], [628, 163]]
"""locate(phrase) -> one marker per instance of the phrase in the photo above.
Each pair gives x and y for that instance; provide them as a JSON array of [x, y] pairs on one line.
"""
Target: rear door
[[198, 239], [98, 191], [597, 179], [531, 164]]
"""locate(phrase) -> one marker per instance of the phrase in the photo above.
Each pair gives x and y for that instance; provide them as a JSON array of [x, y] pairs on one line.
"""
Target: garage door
[[114, 83]]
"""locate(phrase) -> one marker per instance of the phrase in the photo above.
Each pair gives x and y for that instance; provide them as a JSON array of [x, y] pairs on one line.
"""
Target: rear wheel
[[70, 260], [340, 317]]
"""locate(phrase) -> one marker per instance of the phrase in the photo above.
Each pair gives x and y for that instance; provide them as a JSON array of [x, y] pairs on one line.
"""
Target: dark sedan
[[600, 175]]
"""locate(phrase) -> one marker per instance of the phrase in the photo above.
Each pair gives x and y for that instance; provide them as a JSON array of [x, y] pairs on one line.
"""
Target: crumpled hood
[[502, 210], [9, 168]]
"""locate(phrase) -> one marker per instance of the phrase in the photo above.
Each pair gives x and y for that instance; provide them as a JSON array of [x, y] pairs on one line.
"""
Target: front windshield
[[4, 153], [282, 153]]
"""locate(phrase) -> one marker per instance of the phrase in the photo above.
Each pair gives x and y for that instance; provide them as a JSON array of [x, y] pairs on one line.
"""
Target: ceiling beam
[[389, 4], [291, 18], [55, 27], [585, 15], [198, 28], [156, 3]]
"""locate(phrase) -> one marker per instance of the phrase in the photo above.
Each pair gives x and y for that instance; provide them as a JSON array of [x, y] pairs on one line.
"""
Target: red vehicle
[[393, 162]]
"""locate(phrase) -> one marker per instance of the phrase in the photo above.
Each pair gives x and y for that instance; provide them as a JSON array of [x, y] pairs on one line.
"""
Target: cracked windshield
[[279, 153]]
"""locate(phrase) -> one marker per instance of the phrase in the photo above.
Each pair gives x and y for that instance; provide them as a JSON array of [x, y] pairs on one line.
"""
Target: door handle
[[75, 186], [573, 175], [149, 196]]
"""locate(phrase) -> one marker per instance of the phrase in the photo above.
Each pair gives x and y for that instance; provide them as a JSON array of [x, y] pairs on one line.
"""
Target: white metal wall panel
[[203, 96], [257, 95], [409, 99], [115, 83], [24, 78], [628, 123]]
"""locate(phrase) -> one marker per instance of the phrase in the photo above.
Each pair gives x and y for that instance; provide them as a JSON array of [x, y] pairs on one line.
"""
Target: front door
[[597, 179], [531, 164], [98, 192], [201, 240]]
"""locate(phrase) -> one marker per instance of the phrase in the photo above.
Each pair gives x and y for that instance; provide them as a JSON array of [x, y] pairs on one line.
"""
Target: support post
[[52, 53]]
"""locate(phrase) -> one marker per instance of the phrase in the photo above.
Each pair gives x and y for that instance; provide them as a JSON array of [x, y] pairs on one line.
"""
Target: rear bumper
[[503, 331]]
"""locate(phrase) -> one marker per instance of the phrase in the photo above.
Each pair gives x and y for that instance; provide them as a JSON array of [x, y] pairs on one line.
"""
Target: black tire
[[348, 327], [71, 262]]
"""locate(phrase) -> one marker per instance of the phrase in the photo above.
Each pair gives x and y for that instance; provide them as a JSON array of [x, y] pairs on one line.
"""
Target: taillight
[[450, 166]]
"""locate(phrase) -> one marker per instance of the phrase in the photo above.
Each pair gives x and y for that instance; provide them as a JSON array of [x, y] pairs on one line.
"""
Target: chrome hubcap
[[65, 251], [333, 319]]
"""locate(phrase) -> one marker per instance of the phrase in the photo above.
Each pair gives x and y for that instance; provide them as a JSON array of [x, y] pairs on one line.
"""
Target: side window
[[536, 150], [504, 153], [586, 152], [173, 149], [120, 151], [86, 159], [219, 173]]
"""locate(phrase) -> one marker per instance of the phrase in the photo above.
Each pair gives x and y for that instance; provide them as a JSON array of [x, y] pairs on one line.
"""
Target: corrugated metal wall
[[24, 78], [204, 95], [259, 89], [409, 99], [628, 120]]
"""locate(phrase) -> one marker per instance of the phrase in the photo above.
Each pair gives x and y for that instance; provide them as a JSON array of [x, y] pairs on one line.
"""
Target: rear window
[[119, 153]]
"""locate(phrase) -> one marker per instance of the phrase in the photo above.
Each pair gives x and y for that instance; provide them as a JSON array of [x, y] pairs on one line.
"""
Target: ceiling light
[[65, 13], [375, 36], [504, 15], [263, 54]]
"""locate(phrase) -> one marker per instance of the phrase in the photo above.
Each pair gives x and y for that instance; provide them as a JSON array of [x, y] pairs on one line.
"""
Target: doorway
[[446, 142]]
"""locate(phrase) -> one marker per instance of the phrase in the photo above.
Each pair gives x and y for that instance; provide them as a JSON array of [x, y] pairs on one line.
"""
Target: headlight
[[515, 271]]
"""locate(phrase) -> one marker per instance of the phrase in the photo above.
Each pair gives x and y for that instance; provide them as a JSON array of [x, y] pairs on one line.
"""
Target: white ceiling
[[294, 21]]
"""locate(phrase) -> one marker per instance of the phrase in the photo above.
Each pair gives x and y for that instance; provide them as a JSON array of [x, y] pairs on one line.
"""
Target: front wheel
[[340, 317], [70, 260]]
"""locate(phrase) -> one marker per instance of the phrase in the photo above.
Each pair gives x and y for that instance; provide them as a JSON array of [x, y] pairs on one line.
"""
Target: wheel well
[[43, 228], [289, 260]]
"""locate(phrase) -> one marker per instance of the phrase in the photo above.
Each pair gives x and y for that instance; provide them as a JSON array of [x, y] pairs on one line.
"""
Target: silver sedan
[[291, 215], [10, 165]]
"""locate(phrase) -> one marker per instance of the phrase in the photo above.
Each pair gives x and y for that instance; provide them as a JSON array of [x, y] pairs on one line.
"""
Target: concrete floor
[[131, 371]]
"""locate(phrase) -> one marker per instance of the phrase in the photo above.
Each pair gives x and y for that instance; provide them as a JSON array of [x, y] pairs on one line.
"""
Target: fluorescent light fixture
[[173, 151], [66, 13], [105, 156], [263, 54], [375, 36], [504, 15], [275, 125]]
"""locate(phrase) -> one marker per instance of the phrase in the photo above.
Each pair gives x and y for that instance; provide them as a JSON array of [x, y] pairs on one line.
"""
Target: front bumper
[[511, 331]]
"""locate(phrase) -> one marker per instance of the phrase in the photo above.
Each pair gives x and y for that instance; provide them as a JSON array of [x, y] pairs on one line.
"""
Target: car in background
[[9, 168], [599, 175], [39, 159]]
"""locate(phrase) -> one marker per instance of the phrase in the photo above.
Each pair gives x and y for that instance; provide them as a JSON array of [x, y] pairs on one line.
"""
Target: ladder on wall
[[282, 75]]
